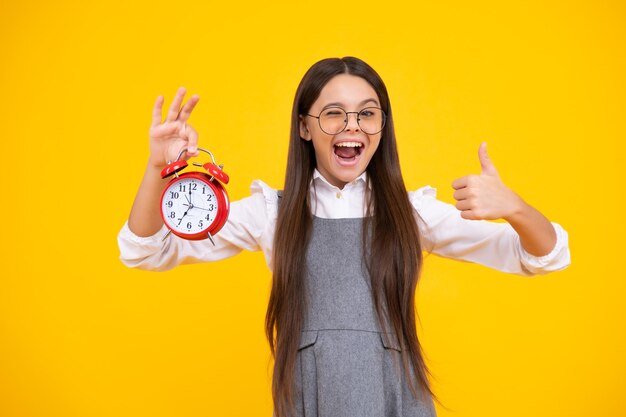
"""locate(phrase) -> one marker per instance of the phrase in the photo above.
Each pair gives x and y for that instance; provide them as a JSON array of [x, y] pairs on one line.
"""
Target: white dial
[[189, 206]]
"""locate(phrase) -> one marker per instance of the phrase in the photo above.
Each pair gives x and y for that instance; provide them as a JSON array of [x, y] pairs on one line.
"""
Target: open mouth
[[348, 152]]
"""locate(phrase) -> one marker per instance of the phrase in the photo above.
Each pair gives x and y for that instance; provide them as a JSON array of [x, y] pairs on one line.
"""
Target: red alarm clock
[[195, 205]]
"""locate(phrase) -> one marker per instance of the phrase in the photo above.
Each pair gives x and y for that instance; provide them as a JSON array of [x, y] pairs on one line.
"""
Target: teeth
[[350, 144]]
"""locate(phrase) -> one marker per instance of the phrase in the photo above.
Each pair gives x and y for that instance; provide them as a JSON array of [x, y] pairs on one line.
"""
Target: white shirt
[[252, 221]]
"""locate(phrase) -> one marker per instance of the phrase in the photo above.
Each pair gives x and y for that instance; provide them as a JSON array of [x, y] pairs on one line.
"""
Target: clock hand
[[190, 205], [181, 219], [201, 208]]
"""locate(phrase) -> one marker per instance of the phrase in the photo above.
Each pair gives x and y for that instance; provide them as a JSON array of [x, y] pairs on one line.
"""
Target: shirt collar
[[319, 178]]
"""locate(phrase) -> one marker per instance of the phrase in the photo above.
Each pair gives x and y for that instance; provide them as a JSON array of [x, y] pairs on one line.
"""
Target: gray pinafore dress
[[344, 366]]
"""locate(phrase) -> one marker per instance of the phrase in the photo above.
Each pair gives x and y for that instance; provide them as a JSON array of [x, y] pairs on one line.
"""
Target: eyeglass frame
[[319, 121]]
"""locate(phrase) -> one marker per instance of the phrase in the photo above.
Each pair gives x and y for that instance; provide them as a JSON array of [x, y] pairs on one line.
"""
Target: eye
[[369, 112], [333, 112]]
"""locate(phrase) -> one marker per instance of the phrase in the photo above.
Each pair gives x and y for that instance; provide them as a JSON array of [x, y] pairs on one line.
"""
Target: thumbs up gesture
[[484, 196]]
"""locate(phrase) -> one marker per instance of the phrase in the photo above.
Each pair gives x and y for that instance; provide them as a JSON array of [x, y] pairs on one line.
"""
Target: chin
[[348, 176]]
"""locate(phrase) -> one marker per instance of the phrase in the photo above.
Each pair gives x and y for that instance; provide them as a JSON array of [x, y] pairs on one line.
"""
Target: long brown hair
[[390, 231]]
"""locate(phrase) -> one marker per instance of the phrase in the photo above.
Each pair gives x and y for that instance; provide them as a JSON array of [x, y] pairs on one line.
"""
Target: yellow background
[[82, 335]]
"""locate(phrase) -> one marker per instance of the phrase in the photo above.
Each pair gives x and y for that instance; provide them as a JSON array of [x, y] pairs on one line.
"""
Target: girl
[[344, 240]]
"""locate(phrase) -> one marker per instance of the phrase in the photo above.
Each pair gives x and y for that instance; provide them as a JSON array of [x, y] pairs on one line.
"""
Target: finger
[[156, 111], [172, 114], [185, 112], [460, 182], [469, 215], [462, 193], [464, 205], [191, 135], [488, 168]]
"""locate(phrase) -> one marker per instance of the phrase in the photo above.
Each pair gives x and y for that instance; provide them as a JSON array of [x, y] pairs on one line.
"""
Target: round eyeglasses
[[333, 120]]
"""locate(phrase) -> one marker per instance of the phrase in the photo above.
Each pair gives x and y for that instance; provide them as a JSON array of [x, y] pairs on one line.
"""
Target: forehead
[[347, 91]]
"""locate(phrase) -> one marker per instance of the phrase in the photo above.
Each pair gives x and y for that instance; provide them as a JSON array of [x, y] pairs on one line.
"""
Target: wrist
[[519, 210], [153, 172], [155, 164]]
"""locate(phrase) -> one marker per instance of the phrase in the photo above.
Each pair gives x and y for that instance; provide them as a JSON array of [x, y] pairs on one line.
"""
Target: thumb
[[488, 168]]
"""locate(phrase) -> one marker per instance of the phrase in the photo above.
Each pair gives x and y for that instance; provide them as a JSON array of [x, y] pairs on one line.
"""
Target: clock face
[[189, 205]]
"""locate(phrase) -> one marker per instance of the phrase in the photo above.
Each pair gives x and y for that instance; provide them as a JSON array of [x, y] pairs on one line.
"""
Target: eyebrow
[[341, 104]]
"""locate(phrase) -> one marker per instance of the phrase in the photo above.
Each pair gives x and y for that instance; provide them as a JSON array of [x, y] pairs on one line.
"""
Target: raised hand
[[484, 196], [169, 137]]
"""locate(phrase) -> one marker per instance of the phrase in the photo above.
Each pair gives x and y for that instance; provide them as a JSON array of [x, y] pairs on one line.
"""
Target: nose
[[352, 123]]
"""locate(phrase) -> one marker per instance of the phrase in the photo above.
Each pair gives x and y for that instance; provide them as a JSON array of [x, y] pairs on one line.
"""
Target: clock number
[[207, 217], [174, 194], [210, 197], [211, 207], [181, 187], [200, 224], [172, 215], [193, 186], [169, 204], [189, 225]]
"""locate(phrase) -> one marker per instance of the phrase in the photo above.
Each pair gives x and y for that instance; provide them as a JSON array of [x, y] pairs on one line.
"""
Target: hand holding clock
[[167, 139]]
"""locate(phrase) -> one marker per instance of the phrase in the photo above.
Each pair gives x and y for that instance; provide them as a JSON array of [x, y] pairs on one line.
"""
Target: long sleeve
[[495, 245], [249, 227]]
